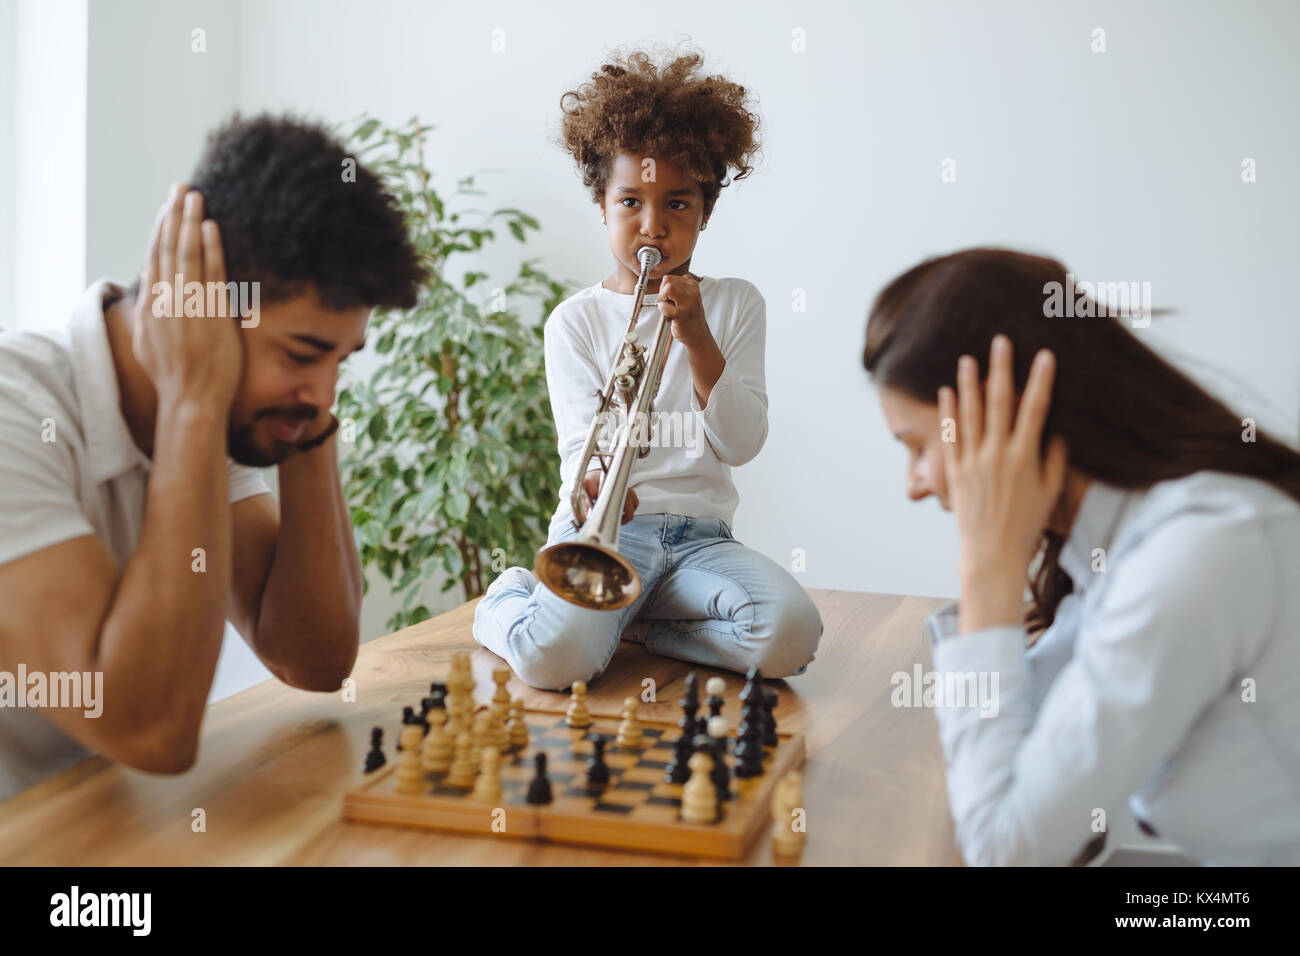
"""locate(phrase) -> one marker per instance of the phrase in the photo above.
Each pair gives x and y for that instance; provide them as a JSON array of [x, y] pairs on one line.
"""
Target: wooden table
[[274, 762]]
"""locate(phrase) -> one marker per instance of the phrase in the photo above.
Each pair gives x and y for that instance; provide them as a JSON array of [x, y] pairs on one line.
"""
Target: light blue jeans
[[705, 598]]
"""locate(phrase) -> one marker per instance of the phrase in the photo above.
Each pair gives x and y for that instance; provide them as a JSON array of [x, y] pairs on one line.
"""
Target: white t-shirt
[[688, 469], [68, 468]]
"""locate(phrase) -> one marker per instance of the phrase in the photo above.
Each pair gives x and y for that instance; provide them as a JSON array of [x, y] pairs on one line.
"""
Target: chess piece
[[578, 715], [749, 748], [716, 687], [718, 744], [786, 800], [629, 731], [481, 734], [597, 769], [410, 775], [464, 768], [501, 676], [769, 720], [679, 768], [539, 790], [435, 756], [488, 785], [690, 704], [499, 713], [517, 727], [699, 798], [375, 758], [408, 717], [460, 695]]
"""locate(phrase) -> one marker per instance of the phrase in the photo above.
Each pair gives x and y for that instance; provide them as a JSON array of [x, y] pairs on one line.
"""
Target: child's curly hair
[[633, 106]]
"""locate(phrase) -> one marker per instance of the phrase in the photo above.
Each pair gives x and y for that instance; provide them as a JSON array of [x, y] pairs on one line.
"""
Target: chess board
[[636, 810]]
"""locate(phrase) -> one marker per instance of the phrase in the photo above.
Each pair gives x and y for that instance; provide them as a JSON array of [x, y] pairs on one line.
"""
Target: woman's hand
[[1003, 491]]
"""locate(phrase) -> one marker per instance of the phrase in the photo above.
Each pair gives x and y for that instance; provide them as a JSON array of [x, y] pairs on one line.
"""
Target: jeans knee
[[558, 665], [796, 632]]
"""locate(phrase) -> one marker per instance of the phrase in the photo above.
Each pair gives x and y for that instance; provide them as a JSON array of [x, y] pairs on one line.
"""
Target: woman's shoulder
[[1215, 525]]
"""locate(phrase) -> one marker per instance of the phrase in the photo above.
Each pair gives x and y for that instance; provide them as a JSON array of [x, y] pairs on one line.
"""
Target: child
[[1164, 542], [654, 146]]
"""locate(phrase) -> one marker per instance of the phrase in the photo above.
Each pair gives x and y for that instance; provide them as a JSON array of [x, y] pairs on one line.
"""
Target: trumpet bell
[[588, 575]]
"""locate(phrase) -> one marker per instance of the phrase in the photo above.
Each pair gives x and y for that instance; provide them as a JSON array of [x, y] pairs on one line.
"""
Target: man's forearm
[[311, 606], [159, 644]]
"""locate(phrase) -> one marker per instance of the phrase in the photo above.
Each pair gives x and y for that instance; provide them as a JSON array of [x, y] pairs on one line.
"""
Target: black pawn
[[597, 769], [375, 758], [770, 699], [539, 791]]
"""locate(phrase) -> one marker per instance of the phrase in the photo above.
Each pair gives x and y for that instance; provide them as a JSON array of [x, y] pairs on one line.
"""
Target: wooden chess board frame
[[638, 810]]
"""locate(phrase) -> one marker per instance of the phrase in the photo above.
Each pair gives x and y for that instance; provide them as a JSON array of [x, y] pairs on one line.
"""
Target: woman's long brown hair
[[1130, 418]]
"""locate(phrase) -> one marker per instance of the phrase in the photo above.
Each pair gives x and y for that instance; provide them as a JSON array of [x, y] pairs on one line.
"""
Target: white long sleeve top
[[694, 448], [1170, 679]]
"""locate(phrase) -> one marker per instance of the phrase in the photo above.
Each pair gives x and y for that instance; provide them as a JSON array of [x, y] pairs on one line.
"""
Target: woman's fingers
[[1035, 403], [948, 427], [171, 229], [1001, 390], [970, 404], [214, 256]]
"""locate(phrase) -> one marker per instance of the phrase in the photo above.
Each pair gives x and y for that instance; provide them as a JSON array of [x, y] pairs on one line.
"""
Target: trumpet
[[588, 571]]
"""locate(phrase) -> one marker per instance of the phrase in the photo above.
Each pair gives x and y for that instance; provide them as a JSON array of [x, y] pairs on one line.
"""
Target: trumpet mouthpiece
[[649, 256]]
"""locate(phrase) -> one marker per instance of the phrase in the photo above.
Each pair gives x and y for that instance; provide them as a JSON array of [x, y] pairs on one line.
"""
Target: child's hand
[[679, 299], [591, 484], [1003, 490]]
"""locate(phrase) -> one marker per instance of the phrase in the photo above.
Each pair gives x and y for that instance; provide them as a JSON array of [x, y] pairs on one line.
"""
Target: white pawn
[[410, 775], [629, 731], [517, 728], [501, 676], [464, 768], [488, 786], [788, 798], [578, 715], [699, 798], [436, 752]]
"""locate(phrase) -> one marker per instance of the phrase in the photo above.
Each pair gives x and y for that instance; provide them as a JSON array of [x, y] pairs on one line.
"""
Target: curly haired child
[[654, 143]]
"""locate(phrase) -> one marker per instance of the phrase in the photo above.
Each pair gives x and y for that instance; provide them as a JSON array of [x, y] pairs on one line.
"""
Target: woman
[[1161, 537]]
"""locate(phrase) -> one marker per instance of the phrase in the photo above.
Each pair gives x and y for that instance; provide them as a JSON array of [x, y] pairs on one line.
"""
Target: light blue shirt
[[1169, 679]]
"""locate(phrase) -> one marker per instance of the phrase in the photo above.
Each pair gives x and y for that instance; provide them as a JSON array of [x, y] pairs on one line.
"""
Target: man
[[127, 534]]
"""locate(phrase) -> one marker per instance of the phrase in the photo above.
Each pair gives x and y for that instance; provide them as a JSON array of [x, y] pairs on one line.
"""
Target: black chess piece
[[749, 748], [539, 790], [439, 690], [375, 758], [679, 770], [597, 769], [721, 773], [770, 699], [690, 704]]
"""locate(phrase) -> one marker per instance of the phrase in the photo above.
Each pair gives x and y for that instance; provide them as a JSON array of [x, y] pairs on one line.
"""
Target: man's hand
[[591, 484], [188, 357]]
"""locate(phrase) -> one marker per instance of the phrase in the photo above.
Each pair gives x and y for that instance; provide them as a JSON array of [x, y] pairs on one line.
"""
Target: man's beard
[[245, 451]]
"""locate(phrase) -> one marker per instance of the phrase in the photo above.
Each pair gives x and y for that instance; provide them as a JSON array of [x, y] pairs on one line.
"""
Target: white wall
[[1125, 164], [48, 184]]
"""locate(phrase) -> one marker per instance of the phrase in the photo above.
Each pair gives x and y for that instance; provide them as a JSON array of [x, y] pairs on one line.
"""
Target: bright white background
[[1125, 164]]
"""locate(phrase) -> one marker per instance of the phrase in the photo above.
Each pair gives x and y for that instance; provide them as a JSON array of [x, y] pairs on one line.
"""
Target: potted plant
[[452, 463]]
